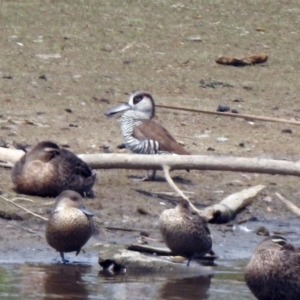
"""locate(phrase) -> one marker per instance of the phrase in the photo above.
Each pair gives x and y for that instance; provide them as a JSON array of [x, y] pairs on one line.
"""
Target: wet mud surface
[[64, 63]]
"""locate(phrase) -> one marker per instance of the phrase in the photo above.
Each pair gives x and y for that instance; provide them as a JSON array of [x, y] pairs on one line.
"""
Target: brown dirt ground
[[87, 56]]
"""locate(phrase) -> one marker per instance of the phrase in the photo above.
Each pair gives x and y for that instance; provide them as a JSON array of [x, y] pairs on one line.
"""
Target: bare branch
[[25, 209], [196, 162], [226, 114], [291, 206]]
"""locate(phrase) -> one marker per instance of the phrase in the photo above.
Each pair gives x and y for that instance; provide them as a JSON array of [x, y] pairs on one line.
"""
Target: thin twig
[[127, 229], [21, 198], [25, 209], [26, 229], [166, 170], [241, 116], [171, 193]]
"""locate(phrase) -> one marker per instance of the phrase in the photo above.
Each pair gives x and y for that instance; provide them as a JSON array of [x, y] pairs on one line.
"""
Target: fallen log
[[177, 162]]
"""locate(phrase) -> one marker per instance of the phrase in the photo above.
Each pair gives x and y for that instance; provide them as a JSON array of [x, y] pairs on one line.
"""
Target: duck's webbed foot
[[149, 176]]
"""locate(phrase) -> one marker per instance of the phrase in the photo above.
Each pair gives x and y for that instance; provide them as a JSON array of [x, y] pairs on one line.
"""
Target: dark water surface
[[56, 281]]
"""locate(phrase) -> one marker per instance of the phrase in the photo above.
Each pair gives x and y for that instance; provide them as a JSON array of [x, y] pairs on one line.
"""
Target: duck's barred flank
[[129, 120]]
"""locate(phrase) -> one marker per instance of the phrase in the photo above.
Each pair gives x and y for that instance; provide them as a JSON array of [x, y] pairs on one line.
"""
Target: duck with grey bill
[[184, 231], [141, 134], [273, 272], [46, 170], [70, 224]]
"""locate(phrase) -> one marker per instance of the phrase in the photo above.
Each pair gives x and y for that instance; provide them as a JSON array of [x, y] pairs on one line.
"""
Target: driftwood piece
[[242, 61], [209, 257], [10, 155], [117, 259], [224, 211], [227, 209]]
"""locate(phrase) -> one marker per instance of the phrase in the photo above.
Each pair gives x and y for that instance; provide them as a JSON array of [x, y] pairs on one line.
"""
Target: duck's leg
[[150, 176], [63, 258], [189, 260]]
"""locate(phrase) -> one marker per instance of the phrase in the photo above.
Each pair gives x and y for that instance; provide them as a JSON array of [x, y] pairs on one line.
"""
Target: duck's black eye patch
[[137, 99]]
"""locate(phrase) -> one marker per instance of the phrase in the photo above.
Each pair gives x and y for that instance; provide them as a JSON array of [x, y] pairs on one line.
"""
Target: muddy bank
[[64, 63]]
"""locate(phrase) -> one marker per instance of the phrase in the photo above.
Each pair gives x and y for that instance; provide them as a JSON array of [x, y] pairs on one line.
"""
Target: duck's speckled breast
[[69, 229]]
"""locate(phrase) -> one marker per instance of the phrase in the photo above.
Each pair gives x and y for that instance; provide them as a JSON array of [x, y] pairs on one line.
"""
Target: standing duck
[[184, 231], [46, 170], [141, 134], [273, 272], [70, 224]]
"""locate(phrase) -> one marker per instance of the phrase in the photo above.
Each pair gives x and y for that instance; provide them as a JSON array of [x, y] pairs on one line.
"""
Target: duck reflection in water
[[65, 282], [186, 288]]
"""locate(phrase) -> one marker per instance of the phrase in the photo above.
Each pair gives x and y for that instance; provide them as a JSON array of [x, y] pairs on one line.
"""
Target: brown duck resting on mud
[[46, 170], [70, 224], [141, 134], [273, 272], [184, 231]]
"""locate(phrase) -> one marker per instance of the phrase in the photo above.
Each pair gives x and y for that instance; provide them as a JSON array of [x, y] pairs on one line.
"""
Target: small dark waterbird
[[70, 224], [141, 134], [184, 231], [273, 272], [46, 170]]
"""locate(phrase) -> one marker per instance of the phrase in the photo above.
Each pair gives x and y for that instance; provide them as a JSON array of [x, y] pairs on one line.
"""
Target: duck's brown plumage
[[46, 170], [184, 231], [70, 224], [151, 130], [273, 272]]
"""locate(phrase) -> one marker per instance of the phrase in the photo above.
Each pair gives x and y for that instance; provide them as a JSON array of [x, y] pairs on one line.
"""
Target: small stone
[[211, 149], [222, 139], [145, 233], [287, 130], [196, 38], [7, 77], [107, 48], [223, 108], [69, 110], [103, 100], [65, 145], [142, 211], [234, 111], [43, 77]]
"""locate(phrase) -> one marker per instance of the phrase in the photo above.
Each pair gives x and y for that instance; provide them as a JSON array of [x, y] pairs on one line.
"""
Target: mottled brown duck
[[141, 134], [184, 231], [46, 170], [70, 224], [273, 272]]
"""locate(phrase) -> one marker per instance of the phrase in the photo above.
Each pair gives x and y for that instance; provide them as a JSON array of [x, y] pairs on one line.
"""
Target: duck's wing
[[69, 163], [151, 130]]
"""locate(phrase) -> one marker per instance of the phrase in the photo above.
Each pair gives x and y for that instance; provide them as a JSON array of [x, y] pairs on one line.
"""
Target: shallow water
[[56, 281]]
